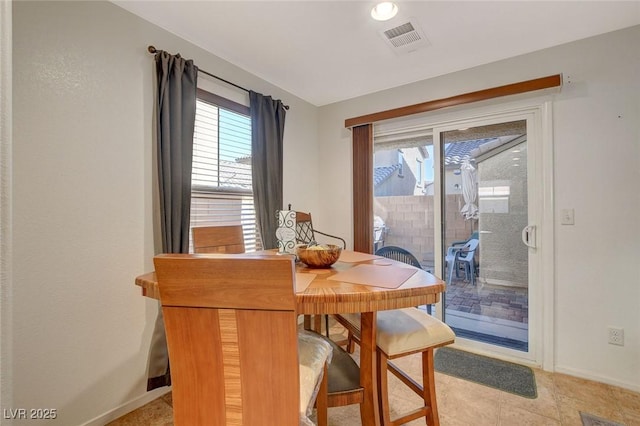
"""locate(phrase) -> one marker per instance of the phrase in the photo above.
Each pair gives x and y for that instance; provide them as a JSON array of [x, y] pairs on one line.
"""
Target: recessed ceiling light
[[384, 11]]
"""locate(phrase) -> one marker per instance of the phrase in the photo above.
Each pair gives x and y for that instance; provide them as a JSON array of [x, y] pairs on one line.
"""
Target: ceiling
[[329, 51]]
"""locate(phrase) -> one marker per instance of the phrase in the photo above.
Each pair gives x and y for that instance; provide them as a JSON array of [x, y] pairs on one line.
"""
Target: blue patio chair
[[459, 244], [462, 257]]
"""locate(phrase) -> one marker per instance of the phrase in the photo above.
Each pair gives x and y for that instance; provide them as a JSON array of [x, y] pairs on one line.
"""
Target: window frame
[[199, 191]]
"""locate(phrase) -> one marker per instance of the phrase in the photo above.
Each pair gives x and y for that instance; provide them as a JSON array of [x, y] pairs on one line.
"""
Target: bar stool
[[403, 332]]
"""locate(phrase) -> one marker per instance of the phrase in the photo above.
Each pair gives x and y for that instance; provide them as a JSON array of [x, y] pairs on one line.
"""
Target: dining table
[[357, 283]]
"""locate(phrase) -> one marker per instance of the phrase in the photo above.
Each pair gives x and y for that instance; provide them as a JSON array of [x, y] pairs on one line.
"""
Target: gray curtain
[[175, 115], [267, 132]]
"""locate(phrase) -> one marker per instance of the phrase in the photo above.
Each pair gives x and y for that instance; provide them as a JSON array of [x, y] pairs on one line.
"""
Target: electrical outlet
[[616, 336]]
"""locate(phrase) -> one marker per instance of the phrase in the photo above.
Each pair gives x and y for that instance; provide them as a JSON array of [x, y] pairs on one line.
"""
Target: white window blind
[[221, 189]]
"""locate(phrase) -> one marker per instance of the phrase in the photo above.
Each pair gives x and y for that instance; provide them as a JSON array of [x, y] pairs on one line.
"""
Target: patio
[[488, 313], [498, 302]]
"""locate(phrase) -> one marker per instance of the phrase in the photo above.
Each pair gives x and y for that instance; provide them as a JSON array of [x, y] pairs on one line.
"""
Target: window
[[221, 187]]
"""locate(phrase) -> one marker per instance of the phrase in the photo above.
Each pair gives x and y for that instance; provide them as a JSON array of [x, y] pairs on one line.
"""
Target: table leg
[[369, 409]]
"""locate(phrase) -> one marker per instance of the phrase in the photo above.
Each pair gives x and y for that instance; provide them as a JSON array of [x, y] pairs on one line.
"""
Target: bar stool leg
[[429, 387], [383, 388]]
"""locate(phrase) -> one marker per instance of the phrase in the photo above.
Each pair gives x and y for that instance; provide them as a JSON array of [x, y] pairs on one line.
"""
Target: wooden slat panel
[[363, 188], [231, 365], [480, 95], [270, 381], [195, 372]]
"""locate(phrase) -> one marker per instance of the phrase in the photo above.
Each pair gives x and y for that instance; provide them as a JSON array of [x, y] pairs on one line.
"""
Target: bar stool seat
[[403, 332]]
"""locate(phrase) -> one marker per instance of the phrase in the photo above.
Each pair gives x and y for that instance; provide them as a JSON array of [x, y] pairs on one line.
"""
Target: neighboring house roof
[[231, 175], [380, 174], [235, 174], [456, 152]]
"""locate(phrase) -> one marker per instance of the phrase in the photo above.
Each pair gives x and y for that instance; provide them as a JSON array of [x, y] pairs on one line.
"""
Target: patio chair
[[458, 244], [399, 254], [462, 257]]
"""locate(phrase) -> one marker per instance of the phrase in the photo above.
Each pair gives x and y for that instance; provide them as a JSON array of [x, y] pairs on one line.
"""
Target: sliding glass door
[[485, 233], [467, 198], [403, 204]]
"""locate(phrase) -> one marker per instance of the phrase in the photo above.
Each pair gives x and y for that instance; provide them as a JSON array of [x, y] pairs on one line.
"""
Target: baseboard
[[128, 407], [596, 378]]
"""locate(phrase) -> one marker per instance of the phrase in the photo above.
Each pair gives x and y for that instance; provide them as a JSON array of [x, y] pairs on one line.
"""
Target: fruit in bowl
[[318, 256]]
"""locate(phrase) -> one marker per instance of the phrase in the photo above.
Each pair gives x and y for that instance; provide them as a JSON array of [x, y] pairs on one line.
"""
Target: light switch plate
[[567, 217]]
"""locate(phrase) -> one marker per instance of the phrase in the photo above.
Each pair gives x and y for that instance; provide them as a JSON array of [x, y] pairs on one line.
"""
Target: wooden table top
[[329, 296]]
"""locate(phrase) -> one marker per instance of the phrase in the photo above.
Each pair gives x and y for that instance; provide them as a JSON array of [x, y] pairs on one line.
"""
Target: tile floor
[[560, 400]]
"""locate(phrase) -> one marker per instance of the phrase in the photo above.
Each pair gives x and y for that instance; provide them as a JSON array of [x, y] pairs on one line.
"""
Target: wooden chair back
[[232, 336], [218, 239], [304, 228]]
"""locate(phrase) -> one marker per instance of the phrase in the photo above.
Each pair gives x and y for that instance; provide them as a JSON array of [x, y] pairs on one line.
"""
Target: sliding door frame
[[535, 170], [540, 133]]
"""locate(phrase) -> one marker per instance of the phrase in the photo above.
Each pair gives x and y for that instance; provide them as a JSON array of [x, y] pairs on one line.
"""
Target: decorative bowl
[[320, 256]]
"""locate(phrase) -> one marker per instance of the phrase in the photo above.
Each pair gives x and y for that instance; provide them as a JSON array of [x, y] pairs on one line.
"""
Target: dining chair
[[399, 333], [306, 233], [218, 239], [344, 374], [343, 384], [237, 357], [401, 255]]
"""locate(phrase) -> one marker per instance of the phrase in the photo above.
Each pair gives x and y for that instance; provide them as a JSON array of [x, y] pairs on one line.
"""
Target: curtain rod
[[152, 49]]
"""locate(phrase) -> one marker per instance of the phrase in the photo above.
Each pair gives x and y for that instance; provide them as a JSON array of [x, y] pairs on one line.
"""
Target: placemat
[[303, 280], [355, 256], [375, 275]]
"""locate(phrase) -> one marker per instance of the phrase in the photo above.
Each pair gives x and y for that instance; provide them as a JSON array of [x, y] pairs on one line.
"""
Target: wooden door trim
[[480, 95], [363, 188]]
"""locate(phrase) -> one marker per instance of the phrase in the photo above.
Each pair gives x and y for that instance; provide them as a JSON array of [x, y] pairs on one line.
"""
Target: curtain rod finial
[[151, 49]]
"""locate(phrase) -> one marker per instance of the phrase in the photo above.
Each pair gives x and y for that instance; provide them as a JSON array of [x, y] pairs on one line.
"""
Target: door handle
[[529, 236]]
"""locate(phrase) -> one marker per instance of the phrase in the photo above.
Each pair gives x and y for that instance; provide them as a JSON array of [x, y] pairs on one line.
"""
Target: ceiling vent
[[405, 38]]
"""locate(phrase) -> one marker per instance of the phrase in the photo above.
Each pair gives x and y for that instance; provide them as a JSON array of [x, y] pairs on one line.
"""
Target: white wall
[[596, 126], [83, 92]]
